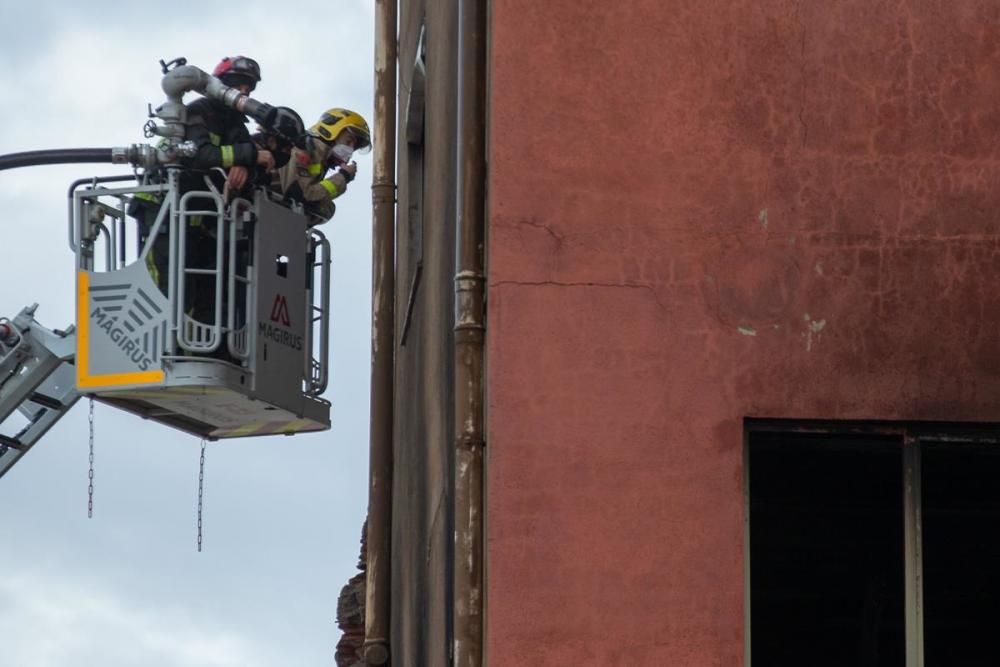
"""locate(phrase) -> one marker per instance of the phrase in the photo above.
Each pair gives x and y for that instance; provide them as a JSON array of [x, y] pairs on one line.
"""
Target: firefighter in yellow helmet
[[319, 171]]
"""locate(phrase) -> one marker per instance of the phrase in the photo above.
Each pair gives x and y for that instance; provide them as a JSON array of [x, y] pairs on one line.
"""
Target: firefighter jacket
[[302, 180], [220, 135]]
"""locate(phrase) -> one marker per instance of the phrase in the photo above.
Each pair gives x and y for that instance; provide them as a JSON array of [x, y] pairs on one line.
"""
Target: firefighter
[[222, 140], [287, 132], [220, 133], [329, 145]]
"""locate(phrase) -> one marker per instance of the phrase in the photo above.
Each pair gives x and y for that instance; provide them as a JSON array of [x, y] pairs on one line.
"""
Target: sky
[[282, 515]]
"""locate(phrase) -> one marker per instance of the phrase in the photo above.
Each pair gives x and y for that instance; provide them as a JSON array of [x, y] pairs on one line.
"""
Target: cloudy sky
[[282, 515]]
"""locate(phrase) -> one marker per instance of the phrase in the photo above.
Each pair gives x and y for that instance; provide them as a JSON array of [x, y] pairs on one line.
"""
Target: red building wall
[[699, 212]]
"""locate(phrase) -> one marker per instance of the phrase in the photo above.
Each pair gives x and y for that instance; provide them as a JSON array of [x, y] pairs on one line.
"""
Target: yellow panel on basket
[[84, 380], [248, 429], [294, 426]]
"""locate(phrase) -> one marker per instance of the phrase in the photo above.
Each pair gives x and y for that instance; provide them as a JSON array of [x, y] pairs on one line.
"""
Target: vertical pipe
[[469, 335], [378, 573], [746, 549], [913, 564]]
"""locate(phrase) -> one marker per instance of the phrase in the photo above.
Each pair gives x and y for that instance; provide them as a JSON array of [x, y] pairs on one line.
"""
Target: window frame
[[912, 435]]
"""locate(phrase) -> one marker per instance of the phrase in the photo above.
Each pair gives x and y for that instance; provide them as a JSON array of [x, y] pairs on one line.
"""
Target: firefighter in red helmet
[[220, 133], [221, 138]]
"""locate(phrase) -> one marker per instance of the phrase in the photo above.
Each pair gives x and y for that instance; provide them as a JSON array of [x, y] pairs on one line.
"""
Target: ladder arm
[[37, 378]]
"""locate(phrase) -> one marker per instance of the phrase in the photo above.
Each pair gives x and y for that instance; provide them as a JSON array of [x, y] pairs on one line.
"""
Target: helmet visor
[[234, 80], [247, 67], [363, 144]]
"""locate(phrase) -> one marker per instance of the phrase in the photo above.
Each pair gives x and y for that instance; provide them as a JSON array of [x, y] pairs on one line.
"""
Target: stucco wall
[[699, 212]]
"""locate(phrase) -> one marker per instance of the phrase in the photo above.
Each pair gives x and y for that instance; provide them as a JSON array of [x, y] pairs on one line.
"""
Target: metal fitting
[[119, 155], [376, 652], [150, 157], [188, 78], [181, 79], [8, 334], [137, 155]]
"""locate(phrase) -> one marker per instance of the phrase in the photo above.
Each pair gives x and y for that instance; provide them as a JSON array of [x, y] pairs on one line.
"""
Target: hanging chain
[[90, 473], [201, 488]]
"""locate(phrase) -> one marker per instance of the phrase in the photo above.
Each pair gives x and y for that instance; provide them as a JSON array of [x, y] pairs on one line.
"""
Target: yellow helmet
[[334, 121]]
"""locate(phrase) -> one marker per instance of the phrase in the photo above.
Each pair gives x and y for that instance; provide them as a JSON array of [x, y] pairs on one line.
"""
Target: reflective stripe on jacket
[[220, 136], [303, 180]]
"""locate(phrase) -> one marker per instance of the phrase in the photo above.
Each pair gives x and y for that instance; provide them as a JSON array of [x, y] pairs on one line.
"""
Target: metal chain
[[90, 474], [201, 487]]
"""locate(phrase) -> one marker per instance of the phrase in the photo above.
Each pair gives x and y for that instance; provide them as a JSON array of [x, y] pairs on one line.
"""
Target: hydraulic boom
[[36, 379]]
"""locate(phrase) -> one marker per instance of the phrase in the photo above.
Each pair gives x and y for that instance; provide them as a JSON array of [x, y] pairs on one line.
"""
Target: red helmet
[[236, 70]]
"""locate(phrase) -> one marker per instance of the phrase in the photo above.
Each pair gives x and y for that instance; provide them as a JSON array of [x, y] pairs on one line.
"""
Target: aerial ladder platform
[[230, 343], [37, 379]]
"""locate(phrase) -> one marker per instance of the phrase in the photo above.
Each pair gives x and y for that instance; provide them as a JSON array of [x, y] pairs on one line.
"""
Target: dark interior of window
[[961, 553], [826, 551]]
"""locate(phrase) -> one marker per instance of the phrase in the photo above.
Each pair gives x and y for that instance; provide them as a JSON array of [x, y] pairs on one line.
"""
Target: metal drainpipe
[[469, 335], [378, 573]]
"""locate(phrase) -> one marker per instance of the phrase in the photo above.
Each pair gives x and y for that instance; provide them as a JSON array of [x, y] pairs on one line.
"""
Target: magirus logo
[[279, 311], [131, 323], [279, 315]]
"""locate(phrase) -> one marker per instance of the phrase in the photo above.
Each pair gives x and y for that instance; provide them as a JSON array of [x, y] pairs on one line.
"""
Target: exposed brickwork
[[351, 613]]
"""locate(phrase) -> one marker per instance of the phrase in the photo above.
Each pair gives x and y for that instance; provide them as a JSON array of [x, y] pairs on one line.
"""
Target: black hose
[[54, 156]]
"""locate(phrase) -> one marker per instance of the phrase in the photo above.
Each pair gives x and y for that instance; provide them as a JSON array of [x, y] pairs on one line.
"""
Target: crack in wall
[[538, 225]]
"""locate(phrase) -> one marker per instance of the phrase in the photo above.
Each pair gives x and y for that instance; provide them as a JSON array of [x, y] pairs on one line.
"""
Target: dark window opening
[[961, 553], [875, 546], [826, 533]]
